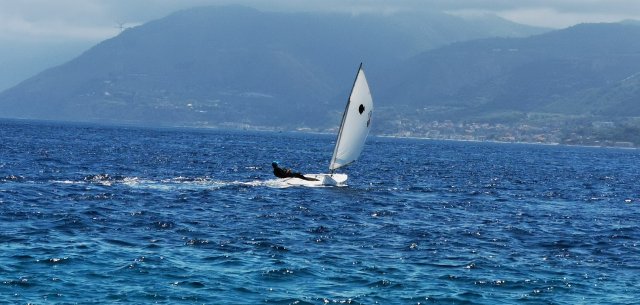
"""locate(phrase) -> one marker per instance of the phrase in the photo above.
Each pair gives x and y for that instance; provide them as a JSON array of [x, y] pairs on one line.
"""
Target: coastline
[[235, 127]]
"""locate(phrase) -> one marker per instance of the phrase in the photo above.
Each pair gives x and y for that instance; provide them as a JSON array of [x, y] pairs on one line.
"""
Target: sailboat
[[354, 128]]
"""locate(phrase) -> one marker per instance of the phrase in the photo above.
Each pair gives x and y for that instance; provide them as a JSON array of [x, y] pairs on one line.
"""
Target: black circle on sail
[[361, 109]]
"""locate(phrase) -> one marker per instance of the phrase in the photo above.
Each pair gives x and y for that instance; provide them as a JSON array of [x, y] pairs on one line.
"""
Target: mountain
[[588, 69], [235, 65]]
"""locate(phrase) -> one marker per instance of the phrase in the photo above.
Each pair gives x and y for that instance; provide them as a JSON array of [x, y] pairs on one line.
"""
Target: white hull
[[323, 180]]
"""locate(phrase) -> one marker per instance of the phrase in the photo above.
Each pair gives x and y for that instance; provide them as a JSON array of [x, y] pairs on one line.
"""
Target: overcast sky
[[39, 34], [95, 20]]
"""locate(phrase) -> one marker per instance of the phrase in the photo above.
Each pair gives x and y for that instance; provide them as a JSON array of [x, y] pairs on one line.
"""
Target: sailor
[[287, 173]]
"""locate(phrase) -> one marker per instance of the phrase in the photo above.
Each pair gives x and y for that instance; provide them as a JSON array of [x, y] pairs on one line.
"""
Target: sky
[[36, 34], [99, 19]]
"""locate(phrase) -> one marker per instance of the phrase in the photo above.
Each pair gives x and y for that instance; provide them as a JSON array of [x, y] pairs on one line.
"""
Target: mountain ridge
[[494, 73], [212, 65], [236, 66]]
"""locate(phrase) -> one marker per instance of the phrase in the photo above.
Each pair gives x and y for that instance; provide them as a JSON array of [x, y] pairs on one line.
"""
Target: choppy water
[[93, 214]]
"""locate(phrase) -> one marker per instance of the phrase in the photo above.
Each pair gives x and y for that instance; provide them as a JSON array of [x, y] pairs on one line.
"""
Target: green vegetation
[[239, 67], [605, 133]]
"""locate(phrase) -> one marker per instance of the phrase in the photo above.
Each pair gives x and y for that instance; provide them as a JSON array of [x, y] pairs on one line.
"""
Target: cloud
[[547, 13], [52, 20], [558, 19], [98, 19], [20, 29]]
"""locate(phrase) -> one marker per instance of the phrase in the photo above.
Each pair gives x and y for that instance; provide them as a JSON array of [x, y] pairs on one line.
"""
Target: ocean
[[116, 214]]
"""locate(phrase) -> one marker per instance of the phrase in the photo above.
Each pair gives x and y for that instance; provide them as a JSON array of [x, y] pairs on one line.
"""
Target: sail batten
[[355, 125]]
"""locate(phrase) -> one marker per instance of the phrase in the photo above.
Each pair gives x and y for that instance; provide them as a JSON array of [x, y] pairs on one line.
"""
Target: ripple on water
[[106, 215]]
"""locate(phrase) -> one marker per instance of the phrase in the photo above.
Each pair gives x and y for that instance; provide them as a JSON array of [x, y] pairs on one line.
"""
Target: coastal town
[[608, 134]]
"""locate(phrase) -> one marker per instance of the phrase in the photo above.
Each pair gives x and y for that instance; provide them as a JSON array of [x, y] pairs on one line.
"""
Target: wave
[[169, 184]]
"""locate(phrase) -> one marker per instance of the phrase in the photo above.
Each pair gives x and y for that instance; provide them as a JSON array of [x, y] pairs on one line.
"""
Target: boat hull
[[322, 180]]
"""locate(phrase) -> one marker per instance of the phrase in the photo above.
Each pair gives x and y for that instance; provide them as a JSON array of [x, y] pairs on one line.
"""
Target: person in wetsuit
[[287, 173]]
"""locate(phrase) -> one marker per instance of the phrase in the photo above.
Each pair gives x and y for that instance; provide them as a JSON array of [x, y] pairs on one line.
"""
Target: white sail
[[356, 122]]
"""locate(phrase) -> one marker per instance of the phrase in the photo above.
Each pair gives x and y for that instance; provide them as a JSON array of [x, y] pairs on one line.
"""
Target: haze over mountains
[[233, 64], [236, 66], [585, 69]]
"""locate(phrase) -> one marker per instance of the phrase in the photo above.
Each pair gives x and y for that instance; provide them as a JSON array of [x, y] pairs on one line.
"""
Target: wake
[[177, 183]]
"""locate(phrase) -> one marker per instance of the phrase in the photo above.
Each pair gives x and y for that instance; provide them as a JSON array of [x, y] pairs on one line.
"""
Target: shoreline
[[299, 130]]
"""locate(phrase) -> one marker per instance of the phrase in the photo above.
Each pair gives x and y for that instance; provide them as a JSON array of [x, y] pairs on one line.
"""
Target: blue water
[[92, 214]]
